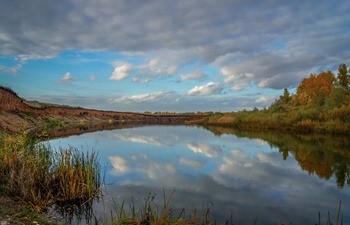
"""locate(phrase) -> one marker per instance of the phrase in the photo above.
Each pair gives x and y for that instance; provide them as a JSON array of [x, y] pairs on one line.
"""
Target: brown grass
[[38, 175]]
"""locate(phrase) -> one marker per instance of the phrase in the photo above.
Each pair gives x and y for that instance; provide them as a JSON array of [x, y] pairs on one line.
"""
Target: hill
[[16, 114]]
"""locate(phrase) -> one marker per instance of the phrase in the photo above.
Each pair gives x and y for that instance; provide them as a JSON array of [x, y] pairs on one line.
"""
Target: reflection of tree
[[318, 154], [342, 172]]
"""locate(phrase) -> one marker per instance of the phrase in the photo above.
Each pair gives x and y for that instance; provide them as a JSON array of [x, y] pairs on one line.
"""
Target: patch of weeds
[[38, 175], [17, 212]]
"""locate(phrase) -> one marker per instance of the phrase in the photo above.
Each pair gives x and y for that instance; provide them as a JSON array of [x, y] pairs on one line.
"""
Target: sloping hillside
[[17, 114]]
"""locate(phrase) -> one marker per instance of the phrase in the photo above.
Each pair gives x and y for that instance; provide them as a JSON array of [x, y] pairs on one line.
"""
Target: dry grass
[[41, 177], [150, 214]]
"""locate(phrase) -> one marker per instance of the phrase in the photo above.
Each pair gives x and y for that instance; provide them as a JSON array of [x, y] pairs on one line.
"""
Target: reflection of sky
[[239, 175]]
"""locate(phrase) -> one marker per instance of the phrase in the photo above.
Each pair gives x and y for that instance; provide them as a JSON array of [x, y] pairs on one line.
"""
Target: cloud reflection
[[194, 164], [210, 151], [119, 164], [126, 137], [150, 136]]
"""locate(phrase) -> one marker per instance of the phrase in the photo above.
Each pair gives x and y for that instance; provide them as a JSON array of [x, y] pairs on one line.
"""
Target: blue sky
[[191, 55]]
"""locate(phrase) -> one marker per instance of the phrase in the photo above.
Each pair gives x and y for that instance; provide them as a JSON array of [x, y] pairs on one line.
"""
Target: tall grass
[[153, 214], [150, 214], [41, 176], [76, 175]]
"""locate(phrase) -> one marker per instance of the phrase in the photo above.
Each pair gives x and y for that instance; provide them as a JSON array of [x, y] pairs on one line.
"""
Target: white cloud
[[207, 89], [265, 100], [141, 97], [153, 66], [236, 80], [172, 69], [67, 77], [159, 67], [263, 42], [29, 57], [11, 70], [193, 76], [278, 46], [121, 72], [140, 80]]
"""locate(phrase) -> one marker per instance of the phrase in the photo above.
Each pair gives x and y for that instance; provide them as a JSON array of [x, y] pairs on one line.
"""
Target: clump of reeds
[[40, 176], [150, 214], [76, 175]]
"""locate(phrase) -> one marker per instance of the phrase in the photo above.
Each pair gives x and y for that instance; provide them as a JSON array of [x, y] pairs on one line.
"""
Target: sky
[[166, 55]]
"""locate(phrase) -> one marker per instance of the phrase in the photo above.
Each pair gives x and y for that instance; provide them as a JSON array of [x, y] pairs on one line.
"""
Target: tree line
[[321, 104], [323, 90]]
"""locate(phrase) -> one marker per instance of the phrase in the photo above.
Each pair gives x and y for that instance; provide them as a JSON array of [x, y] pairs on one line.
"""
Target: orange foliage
[[315, 85]]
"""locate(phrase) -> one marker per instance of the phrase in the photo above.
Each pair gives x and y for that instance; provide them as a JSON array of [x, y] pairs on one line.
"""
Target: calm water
[[277, 178]]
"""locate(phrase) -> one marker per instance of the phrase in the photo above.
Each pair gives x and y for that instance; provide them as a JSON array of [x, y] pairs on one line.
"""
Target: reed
[[40, 176], [151, 214], [76, 175]]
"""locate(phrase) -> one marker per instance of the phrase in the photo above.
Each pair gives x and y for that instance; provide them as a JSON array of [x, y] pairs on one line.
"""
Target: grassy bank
[[321, 104], [295, 119], [39, 176]]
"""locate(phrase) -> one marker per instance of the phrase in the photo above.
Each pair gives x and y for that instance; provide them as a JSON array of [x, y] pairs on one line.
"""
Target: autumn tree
[[315, 88]]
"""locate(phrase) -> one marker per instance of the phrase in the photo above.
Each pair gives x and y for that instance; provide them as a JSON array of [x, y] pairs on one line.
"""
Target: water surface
[[272, 177]]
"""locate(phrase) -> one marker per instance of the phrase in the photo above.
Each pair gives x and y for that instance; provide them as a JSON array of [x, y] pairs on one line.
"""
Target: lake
[[240, 176]]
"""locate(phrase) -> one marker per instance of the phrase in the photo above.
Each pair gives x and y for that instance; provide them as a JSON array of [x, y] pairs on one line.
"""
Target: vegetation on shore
[[320, 104], [36, 174]]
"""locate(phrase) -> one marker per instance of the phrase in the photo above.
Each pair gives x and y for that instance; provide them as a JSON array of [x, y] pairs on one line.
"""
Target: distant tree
[[281, 104], [286, 96], [343, 78]]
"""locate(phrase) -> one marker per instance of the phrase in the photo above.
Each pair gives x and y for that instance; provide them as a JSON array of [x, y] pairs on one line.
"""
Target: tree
[[343, 78], [315, 88], [286, 96]]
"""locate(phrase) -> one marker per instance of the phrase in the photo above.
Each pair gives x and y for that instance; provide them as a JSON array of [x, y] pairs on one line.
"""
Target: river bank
[[17, 115]]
